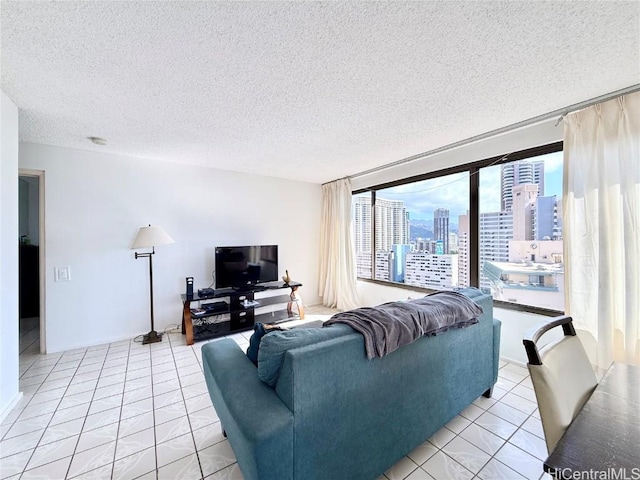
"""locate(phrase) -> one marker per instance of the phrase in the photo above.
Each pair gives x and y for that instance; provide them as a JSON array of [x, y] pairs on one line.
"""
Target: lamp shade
[[151, 237]]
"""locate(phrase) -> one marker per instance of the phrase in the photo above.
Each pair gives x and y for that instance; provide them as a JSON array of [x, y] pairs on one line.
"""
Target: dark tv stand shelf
[[236, 317]]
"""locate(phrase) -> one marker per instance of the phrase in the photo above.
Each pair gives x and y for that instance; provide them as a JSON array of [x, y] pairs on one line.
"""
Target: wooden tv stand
[[239, 314]]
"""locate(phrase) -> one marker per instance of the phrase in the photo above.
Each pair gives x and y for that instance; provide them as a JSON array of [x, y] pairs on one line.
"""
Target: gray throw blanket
[[389, 326]]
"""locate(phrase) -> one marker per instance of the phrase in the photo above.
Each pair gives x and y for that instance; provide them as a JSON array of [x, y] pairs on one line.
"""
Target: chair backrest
[[562, 377]]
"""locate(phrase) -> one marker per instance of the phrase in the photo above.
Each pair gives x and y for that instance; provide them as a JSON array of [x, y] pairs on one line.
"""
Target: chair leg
[[488, 393]]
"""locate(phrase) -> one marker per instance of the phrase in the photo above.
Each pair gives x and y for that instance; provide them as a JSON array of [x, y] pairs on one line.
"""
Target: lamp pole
[[152, 336], [149, 237]]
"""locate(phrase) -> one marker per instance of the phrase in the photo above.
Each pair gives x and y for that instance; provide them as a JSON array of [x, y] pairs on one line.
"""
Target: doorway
[[31, 262]]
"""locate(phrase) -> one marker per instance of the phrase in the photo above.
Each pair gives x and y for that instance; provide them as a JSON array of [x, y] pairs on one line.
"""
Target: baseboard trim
[[515, 362], [10, 407]]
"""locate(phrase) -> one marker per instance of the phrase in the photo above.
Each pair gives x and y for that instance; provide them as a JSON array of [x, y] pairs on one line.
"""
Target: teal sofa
[[333, 414]]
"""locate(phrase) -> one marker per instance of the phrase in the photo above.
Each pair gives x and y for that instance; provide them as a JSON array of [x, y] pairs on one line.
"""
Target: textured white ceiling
[[303, 90]]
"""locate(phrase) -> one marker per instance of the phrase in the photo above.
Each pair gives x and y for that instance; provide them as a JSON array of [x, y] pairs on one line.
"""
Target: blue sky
[[452, 192]]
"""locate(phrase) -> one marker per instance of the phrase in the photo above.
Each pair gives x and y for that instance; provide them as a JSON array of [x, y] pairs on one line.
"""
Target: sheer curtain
[[337, 257], [601, 207]]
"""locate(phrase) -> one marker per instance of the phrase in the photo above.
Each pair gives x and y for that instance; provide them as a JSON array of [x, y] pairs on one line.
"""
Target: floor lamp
[[150, 237]]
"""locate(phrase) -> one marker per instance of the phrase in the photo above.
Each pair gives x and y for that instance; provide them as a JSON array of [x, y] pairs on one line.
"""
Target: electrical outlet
[[62, 274]]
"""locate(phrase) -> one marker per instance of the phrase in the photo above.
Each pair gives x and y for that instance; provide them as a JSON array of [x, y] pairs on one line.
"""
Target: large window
[[428, 232], [414, 228], [521, 257]]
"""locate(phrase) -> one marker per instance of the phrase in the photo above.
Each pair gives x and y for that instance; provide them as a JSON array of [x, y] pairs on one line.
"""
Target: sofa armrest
[[259, 426]]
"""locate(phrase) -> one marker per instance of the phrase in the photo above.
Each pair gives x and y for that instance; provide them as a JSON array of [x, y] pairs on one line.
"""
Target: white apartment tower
[[392, 227], [383, 266], [496, 230], [392, 224], [463, 250], [431, 271], [361, 223], [453, 242], [518, 173]]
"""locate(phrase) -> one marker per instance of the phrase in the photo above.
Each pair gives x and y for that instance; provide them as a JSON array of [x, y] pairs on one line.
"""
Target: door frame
[[25, 172]]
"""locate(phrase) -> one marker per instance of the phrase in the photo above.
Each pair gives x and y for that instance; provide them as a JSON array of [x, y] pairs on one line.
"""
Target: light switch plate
[[62, 274]]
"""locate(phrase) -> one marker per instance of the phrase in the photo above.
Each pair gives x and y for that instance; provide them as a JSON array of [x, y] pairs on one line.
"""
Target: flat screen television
[[243, 266]]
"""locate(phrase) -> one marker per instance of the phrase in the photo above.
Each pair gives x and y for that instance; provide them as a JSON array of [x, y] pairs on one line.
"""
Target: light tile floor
[[121, 411]]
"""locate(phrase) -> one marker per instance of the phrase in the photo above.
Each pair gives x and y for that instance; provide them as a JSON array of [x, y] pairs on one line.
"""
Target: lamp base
[[151, 337]]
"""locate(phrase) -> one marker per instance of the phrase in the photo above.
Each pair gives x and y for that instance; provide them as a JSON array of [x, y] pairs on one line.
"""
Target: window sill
[[496, 303]]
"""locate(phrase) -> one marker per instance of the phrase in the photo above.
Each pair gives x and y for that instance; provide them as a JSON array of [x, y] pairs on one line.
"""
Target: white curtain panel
[[338, 287], [601, 206]]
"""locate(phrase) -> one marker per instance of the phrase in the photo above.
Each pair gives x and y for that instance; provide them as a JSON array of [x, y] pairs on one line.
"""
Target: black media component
[[215, 307], [243, 266], [189, 286]]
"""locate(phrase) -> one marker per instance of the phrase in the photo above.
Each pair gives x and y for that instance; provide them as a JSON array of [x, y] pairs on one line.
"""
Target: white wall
[[527, 137], [371, 294], [8, 255], [94, 205]]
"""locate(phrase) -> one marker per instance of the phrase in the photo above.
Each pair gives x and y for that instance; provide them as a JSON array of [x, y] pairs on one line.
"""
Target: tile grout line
[[153, 410], [89, 408], [491, 457], [53, 415], [513, 434], [184, 400], [124, 387]]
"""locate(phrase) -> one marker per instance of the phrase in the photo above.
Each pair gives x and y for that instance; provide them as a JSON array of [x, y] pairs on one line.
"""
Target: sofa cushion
[[259, 331], [275, 345]]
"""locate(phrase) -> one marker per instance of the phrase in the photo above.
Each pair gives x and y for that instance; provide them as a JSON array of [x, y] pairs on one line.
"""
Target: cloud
[[424, 197], [452, 191], [552, 162], [490, 190]]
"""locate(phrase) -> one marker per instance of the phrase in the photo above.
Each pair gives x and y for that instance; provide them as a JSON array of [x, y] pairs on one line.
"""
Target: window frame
[[473, 169]]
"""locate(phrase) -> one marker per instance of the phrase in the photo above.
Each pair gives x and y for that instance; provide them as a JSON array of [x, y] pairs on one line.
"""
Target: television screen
[[246, 265]]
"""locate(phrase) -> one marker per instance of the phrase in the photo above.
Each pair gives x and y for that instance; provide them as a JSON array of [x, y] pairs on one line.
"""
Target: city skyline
[[520, 232], [422, 199]]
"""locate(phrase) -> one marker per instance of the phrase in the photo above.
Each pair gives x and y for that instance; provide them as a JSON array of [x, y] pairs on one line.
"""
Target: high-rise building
[[392, 224], [496, 230], [422, 244], [548, 218], [363, 264], [441, 228], [523, 207], [397, 262], [463, 250], [538, 175], [361, 224], [383, 265], [453, 242], [434, 271], [392, 228], [426, 246], [517, 173]]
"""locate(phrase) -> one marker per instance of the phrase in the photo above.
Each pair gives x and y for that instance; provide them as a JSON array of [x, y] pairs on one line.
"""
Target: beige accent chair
[[562, 377]]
